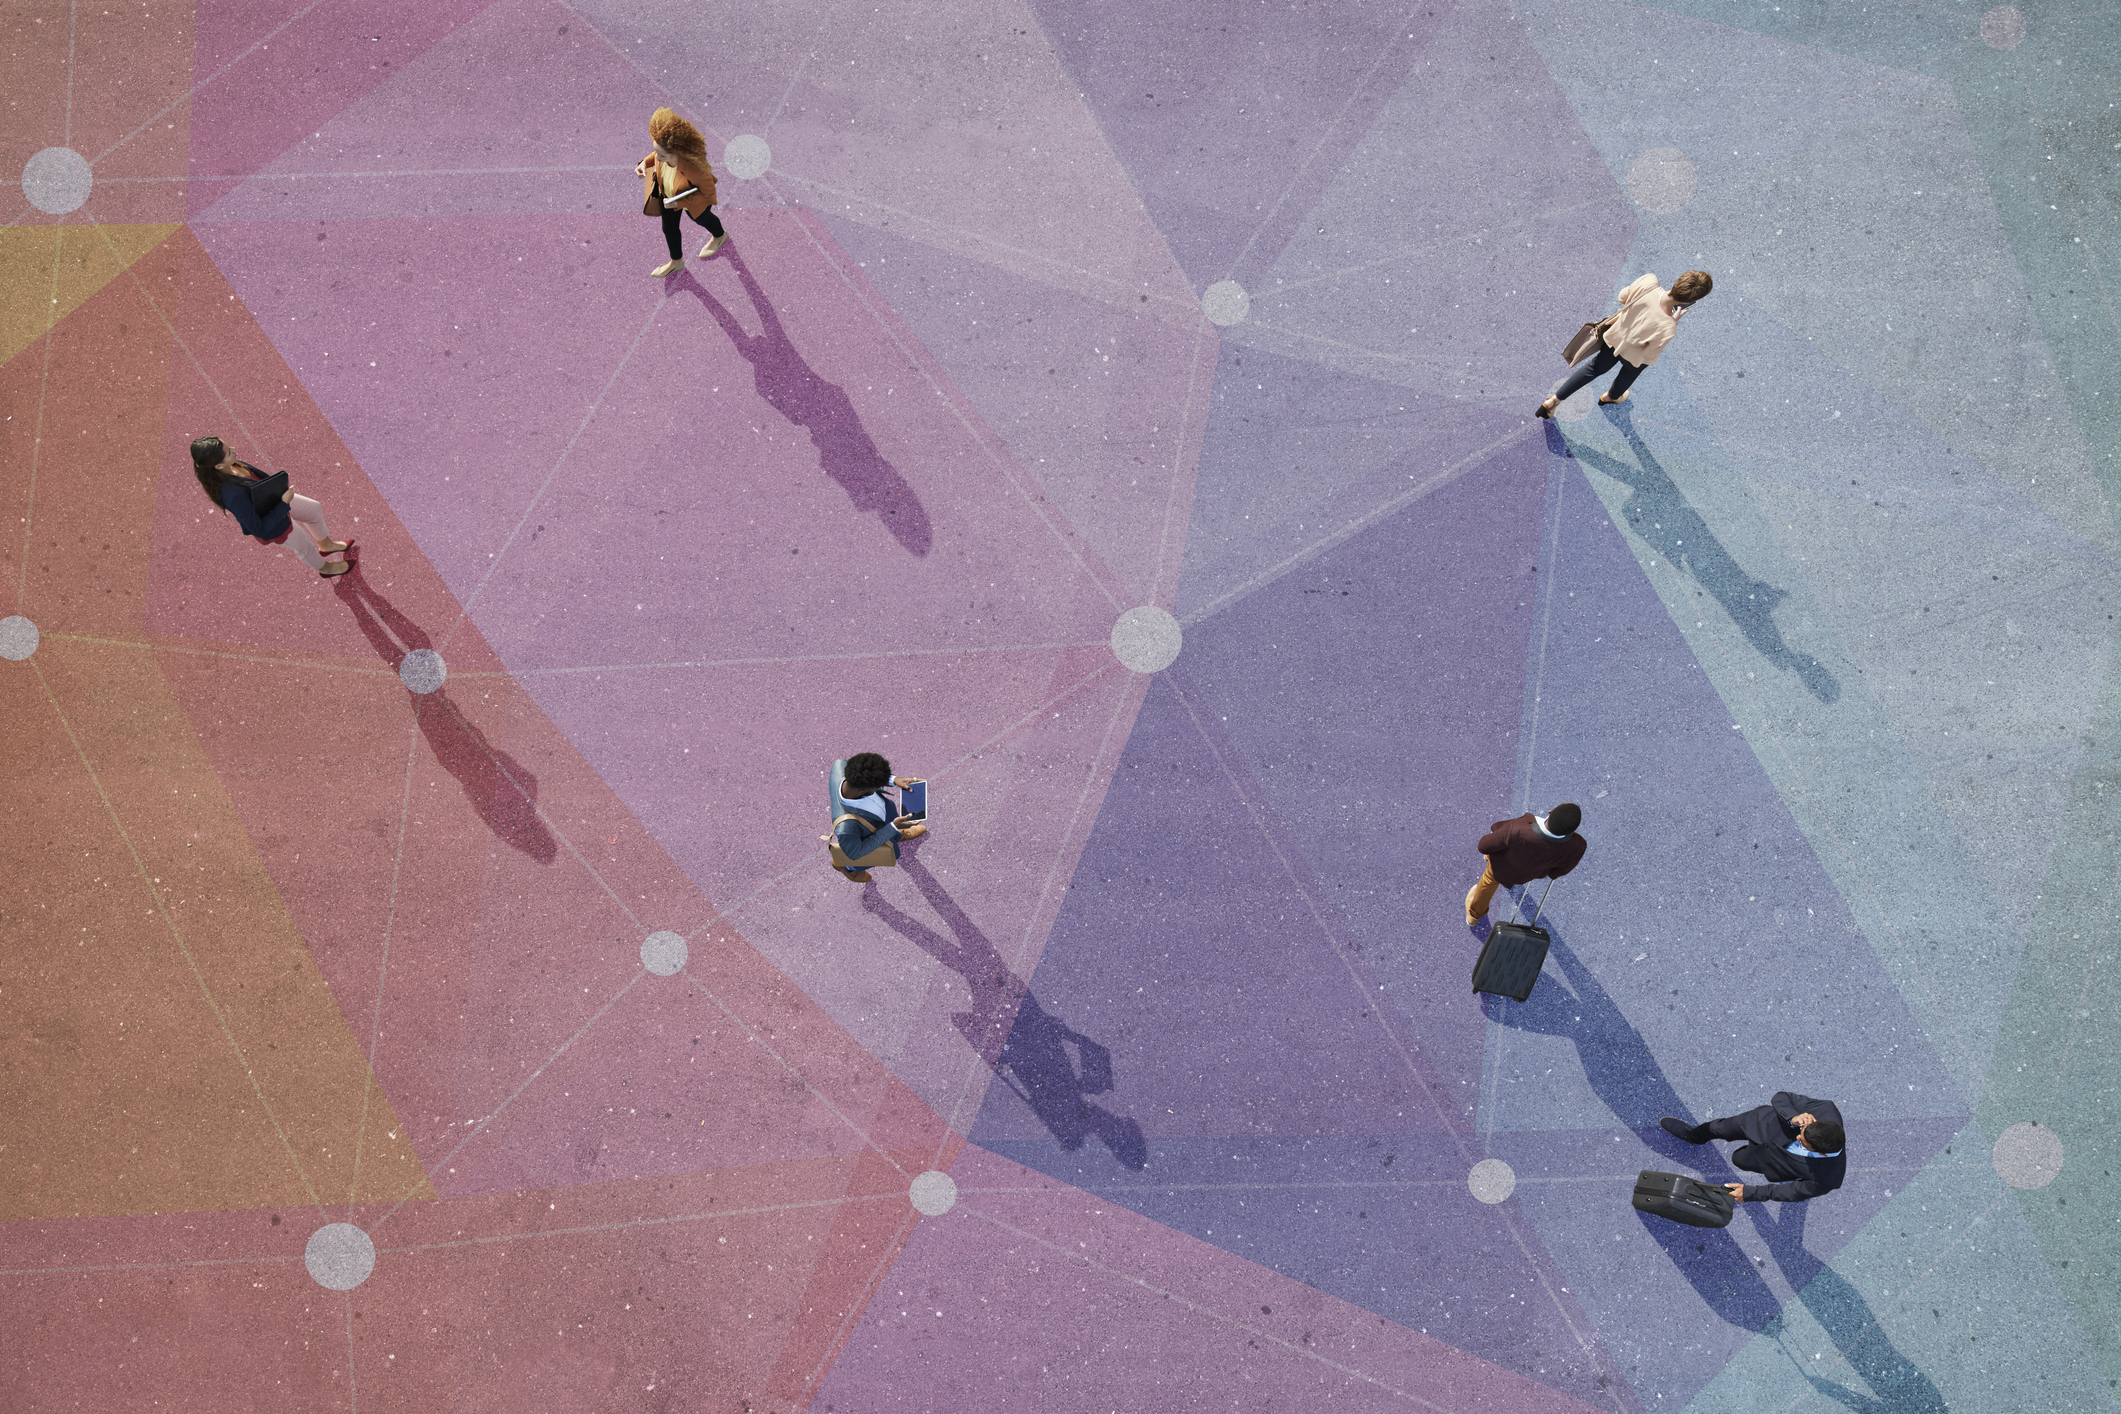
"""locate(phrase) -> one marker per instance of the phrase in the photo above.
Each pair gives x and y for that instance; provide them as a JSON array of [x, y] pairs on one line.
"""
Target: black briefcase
[[1684, 1200], [1510, 961]]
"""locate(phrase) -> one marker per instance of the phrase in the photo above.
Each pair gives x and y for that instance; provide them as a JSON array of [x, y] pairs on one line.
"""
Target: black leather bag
[[1684, 1200]]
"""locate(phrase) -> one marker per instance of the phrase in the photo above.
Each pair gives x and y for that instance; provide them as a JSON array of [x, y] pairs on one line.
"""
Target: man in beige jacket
[[1633, 338]]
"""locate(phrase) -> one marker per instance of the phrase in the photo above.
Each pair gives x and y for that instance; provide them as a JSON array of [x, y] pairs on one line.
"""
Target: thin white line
[[195, 88], [1178, 468], [1012, 474], [552, 826], [803, 658], [143, 1266], [1280, 288], [442, 1163], [73, 25], [1016, 965], [271, 176], [811, 860], [257, 449], [786, 1065], [1318, 914], [390, 918], [638, 1222], [975, 236], [1546, 624], [464, 610], [1842, 1351], [856, 1308], [1325, 135], [36, 446], [271, 659], [1207, 1311], [1354, 527]]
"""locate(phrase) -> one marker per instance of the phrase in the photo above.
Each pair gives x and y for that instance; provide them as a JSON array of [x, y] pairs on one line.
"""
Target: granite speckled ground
[[424, 989]]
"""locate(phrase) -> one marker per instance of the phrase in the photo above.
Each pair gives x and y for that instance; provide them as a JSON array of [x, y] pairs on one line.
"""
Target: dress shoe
[[1685, 1133]]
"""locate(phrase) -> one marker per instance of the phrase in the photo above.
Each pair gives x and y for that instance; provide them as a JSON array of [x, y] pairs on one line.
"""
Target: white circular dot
[[340, 1256], [747, 156], [1577, 406], [663, 953], [2003, 28], [934, 1193], [1492, 1180], [1147, 639], [423, 670], [57, 180], [18, 638], [2028, 1156], [1225, 302], [1661, 180]]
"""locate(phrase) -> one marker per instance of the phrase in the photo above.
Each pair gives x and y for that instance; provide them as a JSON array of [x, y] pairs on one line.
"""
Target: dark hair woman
[[1632, 339], [226, 483], [678, 179]]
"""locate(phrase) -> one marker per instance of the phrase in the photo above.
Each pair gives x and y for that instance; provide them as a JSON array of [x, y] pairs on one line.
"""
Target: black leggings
[[712, 222]]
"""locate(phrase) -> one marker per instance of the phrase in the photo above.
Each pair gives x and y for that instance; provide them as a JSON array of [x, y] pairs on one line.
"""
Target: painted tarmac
[[424, 989]]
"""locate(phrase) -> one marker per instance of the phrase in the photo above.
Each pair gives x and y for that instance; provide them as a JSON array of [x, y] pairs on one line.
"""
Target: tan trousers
[[1478, 897], [309, 517]]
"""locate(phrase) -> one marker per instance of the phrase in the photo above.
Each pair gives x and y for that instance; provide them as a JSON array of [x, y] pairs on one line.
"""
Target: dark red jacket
[[1518, 853]]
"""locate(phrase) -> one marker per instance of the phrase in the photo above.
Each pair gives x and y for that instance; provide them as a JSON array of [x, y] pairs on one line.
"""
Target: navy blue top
[[235, 498]]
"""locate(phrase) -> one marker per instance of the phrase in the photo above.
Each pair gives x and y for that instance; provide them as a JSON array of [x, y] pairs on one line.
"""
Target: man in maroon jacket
[[1527, 848]]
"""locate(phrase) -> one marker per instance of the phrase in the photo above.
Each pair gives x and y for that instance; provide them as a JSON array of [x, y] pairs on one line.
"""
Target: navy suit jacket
[[1793, 1177]]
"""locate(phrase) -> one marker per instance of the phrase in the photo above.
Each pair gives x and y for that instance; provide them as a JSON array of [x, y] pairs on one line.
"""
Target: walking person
[[1631, 341], [677, 179], [1797, 1142], [1526, 848], [226, 483], [864, 819]]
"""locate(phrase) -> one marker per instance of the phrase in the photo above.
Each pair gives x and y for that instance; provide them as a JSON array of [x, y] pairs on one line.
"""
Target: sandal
[[1546, 409], [1606, 402], [333, 547], [335, 567]]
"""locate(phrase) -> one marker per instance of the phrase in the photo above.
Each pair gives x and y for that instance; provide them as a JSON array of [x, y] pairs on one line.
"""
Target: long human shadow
[[1896, 1385], [1052, 1068], [1624, 1073], [500, 788], [845, 450], [1659, 512]]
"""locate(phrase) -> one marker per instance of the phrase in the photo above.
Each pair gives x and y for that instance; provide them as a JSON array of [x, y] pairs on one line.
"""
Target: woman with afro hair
[[678, 179]]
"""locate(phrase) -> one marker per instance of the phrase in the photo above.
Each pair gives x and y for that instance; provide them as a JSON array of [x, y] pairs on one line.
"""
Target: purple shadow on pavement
[[1230, 120], [787, 382]]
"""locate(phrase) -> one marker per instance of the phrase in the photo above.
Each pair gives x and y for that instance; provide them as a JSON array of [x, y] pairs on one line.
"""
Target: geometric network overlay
[[425, 988]]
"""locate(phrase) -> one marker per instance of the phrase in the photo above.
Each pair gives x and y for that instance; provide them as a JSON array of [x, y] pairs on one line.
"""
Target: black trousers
[[712, 222], [1597, 366]]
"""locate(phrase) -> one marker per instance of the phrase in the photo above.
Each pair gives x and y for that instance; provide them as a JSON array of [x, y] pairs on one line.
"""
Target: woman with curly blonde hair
[[677, 179]]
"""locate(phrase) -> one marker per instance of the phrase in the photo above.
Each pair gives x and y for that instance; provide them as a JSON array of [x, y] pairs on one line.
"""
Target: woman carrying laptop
[[228, 484]]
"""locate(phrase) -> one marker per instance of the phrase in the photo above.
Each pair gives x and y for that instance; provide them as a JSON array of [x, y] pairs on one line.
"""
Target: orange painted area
[[48, 272], [94, 397], [181, 1049]]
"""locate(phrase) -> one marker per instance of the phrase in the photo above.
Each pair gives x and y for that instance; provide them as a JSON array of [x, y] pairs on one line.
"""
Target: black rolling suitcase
[[1683, 1200], [1510, 961]]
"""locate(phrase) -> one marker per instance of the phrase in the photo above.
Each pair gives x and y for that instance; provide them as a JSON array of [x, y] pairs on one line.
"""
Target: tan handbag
[[651, 199], [884, 856]]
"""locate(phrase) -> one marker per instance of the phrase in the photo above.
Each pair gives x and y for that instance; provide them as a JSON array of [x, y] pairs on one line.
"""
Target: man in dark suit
[[1796, 1142], [1527, 848]]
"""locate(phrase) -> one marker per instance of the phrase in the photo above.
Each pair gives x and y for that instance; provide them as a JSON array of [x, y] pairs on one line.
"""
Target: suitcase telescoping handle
[[1516, 904]]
